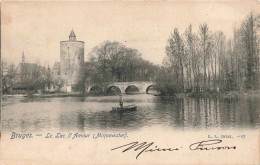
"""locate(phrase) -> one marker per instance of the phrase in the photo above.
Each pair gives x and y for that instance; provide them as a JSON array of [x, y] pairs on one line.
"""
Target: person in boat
[[121, 101]]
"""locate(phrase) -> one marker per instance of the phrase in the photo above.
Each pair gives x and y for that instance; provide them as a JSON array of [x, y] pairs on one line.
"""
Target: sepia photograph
[[130, 82]]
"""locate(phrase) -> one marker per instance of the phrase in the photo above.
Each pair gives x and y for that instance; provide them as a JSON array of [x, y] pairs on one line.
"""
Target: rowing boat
[[124, 109]]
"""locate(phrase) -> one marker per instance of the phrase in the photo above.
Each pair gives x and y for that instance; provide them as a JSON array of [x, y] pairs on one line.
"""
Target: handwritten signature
[[149, 147]]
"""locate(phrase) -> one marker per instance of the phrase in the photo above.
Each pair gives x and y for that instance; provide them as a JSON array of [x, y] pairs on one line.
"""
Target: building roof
[[29, 66], [27, 69], [72, 34]]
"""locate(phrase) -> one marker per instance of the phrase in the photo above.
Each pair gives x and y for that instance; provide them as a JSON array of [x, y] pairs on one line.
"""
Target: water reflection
[[90, 113]]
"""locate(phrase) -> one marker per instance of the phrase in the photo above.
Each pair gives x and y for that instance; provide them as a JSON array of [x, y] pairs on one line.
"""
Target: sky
[[38, 27]]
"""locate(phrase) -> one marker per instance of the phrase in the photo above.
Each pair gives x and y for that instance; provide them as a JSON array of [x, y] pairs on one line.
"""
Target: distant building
[[56, 71], [64, 75], [27, 77], [71, 62], [26, 71], [54, 83]]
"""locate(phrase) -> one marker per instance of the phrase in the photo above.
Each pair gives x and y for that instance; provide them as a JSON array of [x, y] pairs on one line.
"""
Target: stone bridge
[[142, 86]]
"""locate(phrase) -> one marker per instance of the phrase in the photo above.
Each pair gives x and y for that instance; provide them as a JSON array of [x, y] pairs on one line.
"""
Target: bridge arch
[[133, 88], [113, 89], [95, 89], [142, 86], [147, 88]]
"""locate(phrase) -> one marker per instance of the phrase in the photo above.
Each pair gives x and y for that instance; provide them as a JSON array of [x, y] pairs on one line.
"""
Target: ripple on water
[[90, 113]]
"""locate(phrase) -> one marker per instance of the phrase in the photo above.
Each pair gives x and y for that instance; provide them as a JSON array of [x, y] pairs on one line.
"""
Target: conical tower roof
[[72, 34]]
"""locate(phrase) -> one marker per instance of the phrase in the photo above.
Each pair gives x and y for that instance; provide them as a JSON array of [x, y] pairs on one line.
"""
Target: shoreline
[[232, 94]]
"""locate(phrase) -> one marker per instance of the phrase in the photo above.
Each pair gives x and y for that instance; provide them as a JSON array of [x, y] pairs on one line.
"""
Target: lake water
[[92, 113]]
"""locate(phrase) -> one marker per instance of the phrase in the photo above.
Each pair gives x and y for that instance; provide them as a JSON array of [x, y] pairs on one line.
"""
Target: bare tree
[[8, 74], [206, 44], [176, 57]]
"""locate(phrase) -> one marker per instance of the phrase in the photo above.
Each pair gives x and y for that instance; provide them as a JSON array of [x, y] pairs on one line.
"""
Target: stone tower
[[71, 62]]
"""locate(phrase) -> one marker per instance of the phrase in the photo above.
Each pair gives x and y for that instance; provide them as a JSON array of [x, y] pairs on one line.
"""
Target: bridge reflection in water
[[92, 113]]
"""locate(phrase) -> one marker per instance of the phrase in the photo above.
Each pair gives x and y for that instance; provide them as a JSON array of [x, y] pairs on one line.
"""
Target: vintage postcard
[[130, 82]]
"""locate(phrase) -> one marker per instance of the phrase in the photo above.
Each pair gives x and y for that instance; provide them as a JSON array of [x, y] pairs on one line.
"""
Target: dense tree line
[[206, 60], [114, 62]]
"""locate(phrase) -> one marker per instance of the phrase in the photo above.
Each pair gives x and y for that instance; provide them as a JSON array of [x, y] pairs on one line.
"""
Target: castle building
[[71, 62]]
